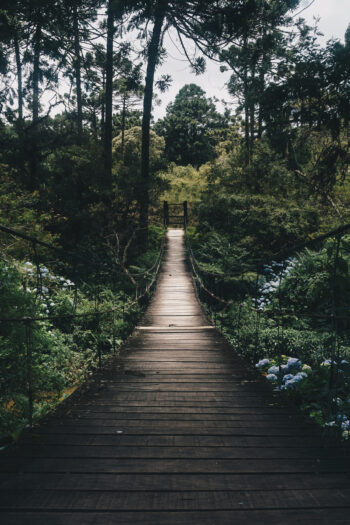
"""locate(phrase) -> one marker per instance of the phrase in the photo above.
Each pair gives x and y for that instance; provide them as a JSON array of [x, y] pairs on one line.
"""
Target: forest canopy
[[78, 77]]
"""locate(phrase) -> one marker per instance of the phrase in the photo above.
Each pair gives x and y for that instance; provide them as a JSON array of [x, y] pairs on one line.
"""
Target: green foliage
[[309, 285], [127, 163], [190, 127], [259, 225], [68, 341], [289, 313], [185, 183]]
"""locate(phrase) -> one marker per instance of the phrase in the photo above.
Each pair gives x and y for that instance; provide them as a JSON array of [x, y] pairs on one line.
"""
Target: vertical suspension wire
[[39, 283], [113, 333], [238, 338], [97, 322], [257, 315], [239, 312], [280, 325], [333, 375], [29, 370], [221, 311], [75, 293]]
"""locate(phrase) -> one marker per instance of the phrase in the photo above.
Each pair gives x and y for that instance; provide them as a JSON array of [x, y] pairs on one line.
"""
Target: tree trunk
[[252, 128], [252, 112], [103, 107], [286, 134], [94, 124], [262, 73], [146, 118], [77, 67], [246, 118], [36, 72], [21, 162], [262, 89], [19, 79], [246, 107], [35, 110], [123, 124], [109, 96]]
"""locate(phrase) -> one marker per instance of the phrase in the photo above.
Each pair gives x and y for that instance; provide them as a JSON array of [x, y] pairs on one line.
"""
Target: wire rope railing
[[91, 321], [248, 304]]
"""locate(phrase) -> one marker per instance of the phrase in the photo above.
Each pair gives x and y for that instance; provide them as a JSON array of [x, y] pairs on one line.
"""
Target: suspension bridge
[[177, 430]]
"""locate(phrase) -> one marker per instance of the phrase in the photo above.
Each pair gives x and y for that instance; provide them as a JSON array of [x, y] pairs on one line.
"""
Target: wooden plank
[[127, 465], [217, 397], [170, 440], [186, 387], [180, 482], [175, 452], [196, 411], [181, 422], [242, 517], [173, 500], [166, 416]]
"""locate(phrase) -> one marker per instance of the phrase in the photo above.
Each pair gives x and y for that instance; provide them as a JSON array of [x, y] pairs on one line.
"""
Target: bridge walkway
[[179, 431]]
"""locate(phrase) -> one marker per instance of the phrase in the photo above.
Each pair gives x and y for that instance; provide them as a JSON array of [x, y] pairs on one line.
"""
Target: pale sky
[[334, 18]]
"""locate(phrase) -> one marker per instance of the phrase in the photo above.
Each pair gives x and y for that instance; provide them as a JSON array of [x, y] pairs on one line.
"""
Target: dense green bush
[[65, 349], [285, 312]]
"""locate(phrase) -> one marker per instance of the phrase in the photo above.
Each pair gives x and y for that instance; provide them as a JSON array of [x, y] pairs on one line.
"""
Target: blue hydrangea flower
[[271, 377], [274, 370], [294, 363], [293, 380], [262, 362], [345, 425], [299, 376]]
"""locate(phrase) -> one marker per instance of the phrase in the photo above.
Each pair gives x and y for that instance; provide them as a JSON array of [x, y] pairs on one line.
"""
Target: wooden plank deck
[[180, 432]]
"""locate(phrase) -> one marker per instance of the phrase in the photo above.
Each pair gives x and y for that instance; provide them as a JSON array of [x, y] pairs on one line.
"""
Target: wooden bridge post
[[166, 214], [185, 215]]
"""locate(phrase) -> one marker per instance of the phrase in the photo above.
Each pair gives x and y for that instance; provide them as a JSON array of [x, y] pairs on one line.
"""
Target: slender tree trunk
[[19, 78], [35, 110], [246, 118], [103, 107], [123, 124], [310, 112], [109, 96], [146, 119], [252, 112], [286, 133], [77, 67], [21, 162], [252, 128], [94, 123], [262, 89], [246, 107], [262, 73], [36, 72]]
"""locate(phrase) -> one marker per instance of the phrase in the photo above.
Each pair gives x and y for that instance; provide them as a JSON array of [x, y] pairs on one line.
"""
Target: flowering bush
[[64, 349], [285, 374], [310, 386]]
